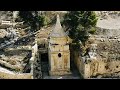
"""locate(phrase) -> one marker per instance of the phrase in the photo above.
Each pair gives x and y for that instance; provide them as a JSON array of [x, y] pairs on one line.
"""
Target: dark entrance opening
[[44, 64], [44, 57]]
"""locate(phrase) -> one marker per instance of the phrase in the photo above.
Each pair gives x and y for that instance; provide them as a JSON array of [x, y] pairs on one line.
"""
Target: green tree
[[32, 18], [80, 24]]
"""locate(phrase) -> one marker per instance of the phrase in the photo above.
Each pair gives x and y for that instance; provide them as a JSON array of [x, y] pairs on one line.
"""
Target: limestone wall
[[61, 41], [107, 58], [59, 48], [4, 75], [59, 65], [32, 61], [60, 62], [96, 68], [20, 48], [101, 68]]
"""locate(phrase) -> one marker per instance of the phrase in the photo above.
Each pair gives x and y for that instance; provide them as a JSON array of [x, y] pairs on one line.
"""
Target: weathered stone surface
[[107, 56], [58, 50]]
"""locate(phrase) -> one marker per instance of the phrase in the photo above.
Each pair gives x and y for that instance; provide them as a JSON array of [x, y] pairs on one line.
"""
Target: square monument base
[[61, 72]]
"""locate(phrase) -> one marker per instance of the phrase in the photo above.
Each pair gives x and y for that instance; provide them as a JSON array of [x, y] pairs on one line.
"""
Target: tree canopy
[[32, 18], [80, 24]]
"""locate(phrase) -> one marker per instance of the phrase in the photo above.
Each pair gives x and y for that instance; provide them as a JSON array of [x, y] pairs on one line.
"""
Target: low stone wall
[[107, 59], [20, 48], [83, 68], [35, 62], [33, 59], [96, 67], [4, 75]]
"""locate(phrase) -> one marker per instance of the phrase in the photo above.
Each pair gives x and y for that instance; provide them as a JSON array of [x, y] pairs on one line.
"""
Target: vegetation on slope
[[80, 25]]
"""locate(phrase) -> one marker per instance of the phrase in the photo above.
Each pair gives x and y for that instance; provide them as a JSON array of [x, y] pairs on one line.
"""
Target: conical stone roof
[[58, 30]]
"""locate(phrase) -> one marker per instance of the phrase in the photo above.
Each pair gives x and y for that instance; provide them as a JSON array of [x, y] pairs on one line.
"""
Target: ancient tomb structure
[[58, 51]]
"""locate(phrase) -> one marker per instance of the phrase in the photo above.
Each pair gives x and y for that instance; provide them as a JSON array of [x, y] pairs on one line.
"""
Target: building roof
[[58, 30]]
